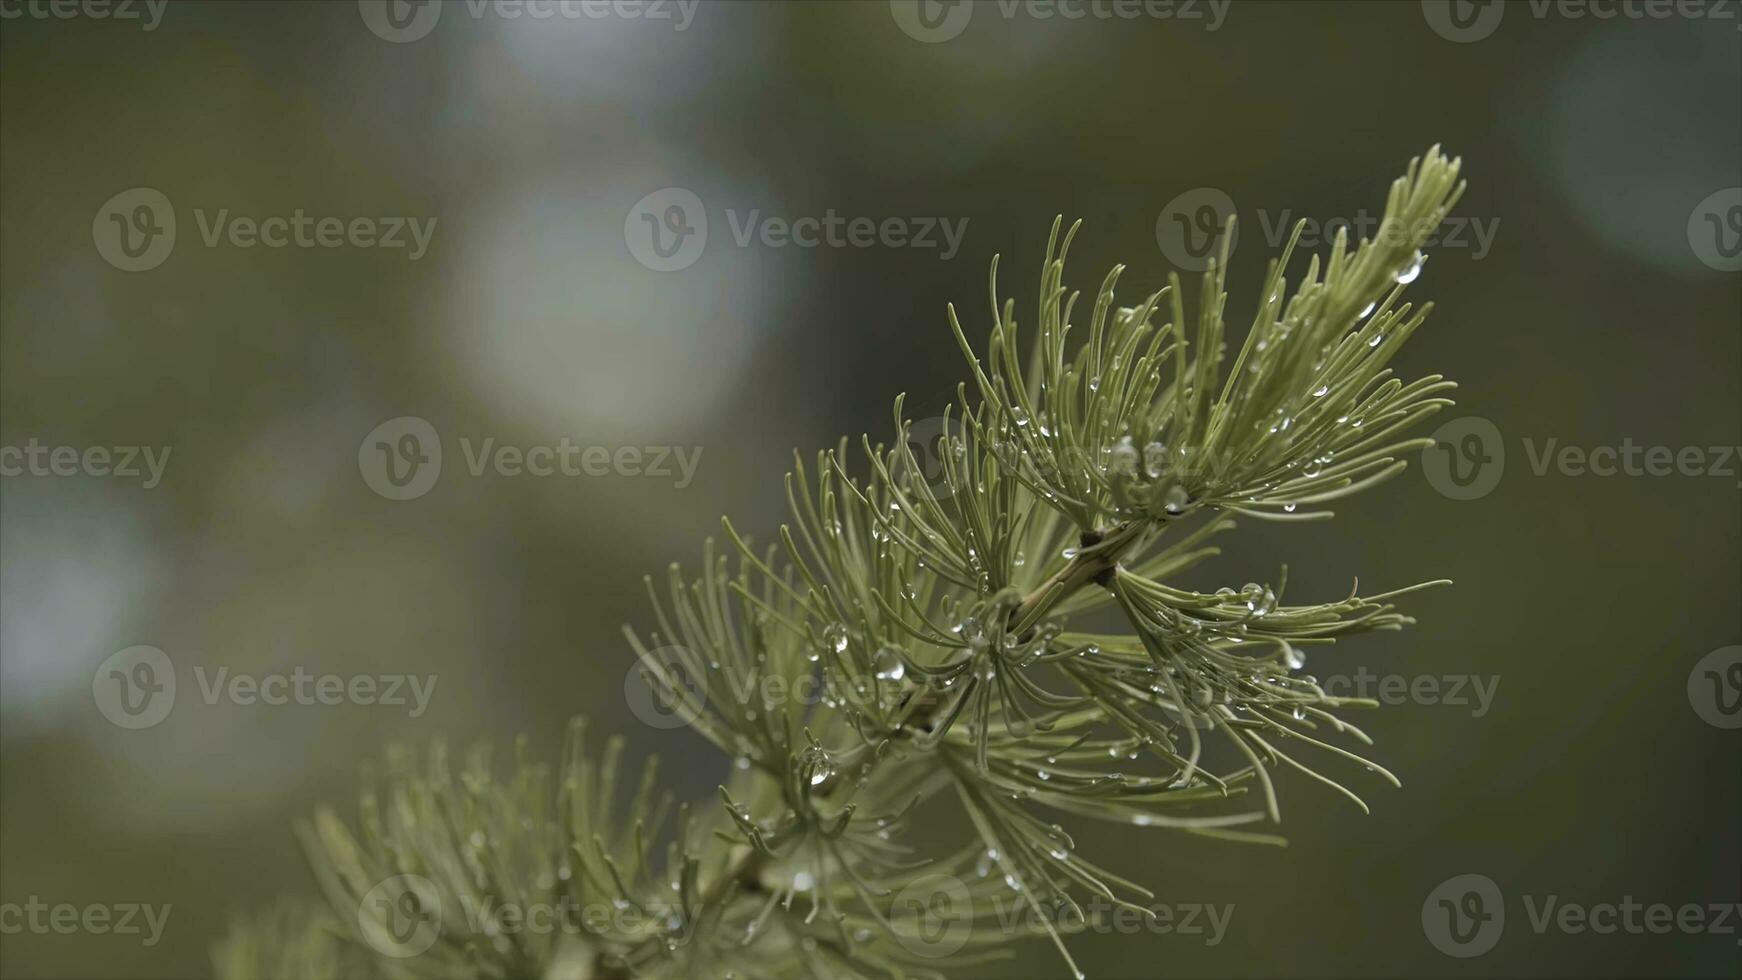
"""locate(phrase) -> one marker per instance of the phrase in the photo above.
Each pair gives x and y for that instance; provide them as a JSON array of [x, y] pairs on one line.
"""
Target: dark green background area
[[1590, 321]]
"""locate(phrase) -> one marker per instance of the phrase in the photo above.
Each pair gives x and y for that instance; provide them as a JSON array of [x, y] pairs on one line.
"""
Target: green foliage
[[940, 613]]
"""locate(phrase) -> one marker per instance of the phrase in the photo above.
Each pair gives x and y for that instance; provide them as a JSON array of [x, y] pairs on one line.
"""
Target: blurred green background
[[1593, 315]]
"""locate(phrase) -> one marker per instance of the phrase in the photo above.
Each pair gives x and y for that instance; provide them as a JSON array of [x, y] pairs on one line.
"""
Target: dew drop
[[1154, 460], [1175, 500], [983, 864], [888, 665], [1124, 457], [1260, 601], [1411, 269]]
